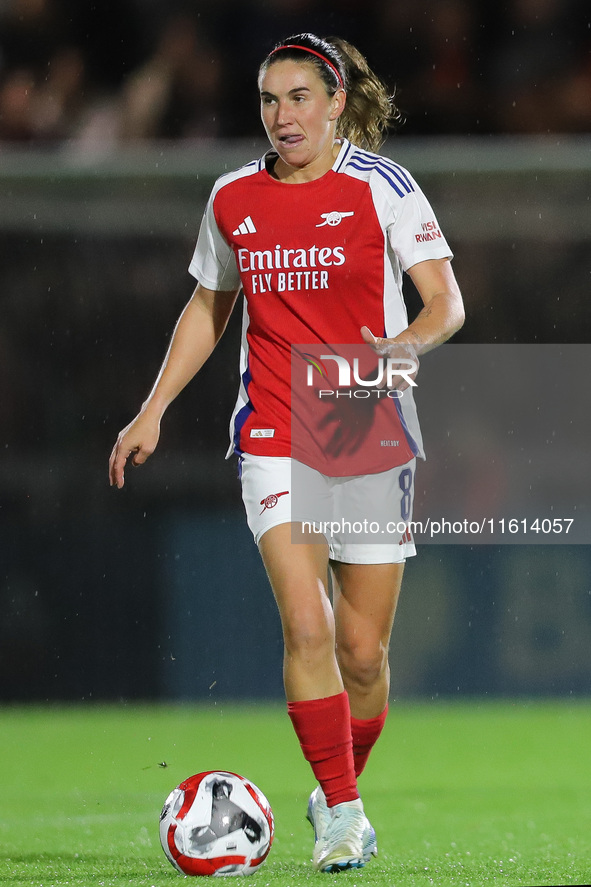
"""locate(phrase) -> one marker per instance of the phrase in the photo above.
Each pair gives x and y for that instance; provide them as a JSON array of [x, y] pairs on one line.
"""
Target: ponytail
[[369, 111]]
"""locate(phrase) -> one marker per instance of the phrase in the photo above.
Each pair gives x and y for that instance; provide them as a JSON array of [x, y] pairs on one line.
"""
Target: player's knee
[[307, 638], [362, 663]]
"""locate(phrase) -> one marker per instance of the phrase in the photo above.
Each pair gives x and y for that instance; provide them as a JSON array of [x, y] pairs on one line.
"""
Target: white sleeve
[[213, 263], [415, 234]]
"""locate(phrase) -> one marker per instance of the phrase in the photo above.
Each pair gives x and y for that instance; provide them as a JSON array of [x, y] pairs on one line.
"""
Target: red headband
[[313, 51]]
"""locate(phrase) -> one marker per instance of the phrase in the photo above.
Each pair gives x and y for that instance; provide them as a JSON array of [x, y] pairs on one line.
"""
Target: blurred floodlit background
[[115, 119]]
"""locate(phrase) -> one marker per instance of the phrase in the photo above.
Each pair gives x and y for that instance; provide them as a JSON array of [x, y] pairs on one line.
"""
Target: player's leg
[[365, 597], [299, 578], [317, 702], [368, 576], [298, 574], [365, 601]]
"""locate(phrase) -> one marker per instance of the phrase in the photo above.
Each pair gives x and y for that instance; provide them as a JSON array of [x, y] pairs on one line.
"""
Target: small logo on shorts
[[262, 432], [271, 501]]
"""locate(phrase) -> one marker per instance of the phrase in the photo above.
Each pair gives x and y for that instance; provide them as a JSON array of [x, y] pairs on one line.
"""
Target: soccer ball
[[216, 823]]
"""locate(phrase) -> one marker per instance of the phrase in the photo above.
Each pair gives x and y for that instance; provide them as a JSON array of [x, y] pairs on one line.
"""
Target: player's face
[[299, 116]]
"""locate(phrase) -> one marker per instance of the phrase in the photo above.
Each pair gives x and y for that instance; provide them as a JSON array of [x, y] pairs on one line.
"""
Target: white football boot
[[319, 816], [370, 844], [341, 846]]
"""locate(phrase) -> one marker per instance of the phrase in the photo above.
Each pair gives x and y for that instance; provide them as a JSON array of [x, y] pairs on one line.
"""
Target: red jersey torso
[[316, 264]]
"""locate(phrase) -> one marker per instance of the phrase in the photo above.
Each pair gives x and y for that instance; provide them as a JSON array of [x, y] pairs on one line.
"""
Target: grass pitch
[[460, 794]]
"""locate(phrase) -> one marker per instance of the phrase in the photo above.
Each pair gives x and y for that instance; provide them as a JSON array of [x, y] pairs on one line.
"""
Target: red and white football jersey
[[316, 261]]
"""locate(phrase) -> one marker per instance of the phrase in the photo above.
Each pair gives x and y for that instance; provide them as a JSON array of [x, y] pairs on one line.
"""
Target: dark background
[[115, 118], [69, 67]]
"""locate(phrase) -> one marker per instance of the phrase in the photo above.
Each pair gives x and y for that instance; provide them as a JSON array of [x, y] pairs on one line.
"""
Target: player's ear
[[338, 104]]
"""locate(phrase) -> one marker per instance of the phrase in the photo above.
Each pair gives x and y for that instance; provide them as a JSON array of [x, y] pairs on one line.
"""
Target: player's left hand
[[405, 363]]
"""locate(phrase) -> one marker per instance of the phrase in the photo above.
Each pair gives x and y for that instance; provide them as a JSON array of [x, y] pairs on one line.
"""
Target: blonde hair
[[369, 110]]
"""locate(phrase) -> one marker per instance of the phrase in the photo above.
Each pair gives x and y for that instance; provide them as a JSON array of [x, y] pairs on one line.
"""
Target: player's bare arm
[[442, 315], [196, 334], [443, 311]]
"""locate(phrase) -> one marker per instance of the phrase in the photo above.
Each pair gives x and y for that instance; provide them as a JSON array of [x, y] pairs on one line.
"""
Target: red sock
[[323, 727], [365, 734]]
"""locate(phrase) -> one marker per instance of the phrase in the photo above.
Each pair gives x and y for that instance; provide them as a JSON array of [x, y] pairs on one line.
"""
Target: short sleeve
[[415, 235], [213, 263]]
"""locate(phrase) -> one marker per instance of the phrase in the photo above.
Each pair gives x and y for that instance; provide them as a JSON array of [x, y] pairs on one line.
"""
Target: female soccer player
[[317, 234]]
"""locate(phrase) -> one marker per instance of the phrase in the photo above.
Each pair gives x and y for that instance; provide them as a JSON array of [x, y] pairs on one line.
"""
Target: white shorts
[[363, 518]]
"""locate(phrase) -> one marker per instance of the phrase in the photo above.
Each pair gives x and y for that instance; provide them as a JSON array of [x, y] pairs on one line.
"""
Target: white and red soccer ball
[[216, 823]]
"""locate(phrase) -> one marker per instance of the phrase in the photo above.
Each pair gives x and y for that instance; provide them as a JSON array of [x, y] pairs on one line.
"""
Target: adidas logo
[[246, 227]]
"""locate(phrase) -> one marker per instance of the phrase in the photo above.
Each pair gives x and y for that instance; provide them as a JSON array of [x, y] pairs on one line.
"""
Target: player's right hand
[[138, 440]]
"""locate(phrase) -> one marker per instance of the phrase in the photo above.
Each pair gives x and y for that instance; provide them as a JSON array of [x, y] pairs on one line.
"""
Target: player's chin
[[294, 153]]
